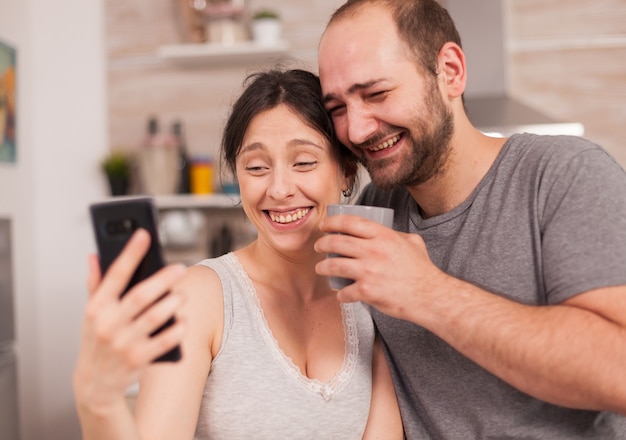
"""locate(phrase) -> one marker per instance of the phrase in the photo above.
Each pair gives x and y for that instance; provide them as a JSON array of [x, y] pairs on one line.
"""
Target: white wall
[[62, 133]]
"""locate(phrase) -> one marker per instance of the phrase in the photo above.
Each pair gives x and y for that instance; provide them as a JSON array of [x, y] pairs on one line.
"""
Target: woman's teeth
[[282, 218], [388, 143]]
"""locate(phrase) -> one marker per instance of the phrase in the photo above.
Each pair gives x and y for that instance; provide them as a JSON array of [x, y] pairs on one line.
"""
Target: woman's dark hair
[[301, 92], [424, 25]]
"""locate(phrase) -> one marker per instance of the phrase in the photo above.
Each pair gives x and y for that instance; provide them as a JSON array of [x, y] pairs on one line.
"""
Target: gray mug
[[384, 216]]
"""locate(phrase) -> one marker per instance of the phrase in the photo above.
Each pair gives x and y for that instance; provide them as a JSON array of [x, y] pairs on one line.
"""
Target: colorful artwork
[[8, 138]]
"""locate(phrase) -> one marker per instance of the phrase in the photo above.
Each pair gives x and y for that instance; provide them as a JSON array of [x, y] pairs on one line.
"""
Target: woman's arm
[[170, 395], [116, 349], [115, 342], [384, 420]]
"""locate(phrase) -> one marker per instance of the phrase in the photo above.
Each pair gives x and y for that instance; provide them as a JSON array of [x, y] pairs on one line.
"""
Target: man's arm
[[572, 354]]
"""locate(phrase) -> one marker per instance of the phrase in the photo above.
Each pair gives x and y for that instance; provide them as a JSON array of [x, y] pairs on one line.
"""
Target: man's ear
[[451, 69]]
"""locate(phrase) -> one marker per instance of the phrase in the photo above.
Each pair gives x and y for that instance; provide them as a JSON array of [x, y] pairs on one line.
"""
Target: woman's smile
[[291, 216]]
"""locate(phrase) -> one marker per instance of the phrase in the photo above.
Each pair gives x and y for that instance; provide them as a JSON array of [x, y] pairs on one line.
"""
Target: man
[[502, 303]]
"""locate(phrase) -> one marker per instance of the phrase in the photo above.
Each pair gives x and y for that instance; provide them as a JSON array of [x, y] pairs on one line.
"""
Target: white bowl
[[181, 227]]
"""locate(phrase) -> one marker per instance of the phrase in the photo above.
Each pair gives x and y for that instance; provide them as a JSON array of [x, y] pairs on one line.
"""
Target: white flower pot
[[266, 31]]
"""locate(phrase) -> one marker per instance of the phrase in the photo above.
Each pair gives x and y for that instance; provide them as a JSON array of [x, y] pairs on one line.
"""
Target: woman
[[268, 351]]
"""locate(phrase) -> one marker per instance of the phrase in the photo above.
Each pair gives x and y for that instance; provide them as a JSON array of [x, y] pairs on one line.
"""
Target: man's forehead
[[364, 14]]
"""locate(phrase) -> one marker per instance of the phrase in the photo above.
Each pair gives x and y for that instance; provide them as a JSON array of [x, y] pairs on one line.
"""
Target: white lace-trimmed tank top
[[254, 391]]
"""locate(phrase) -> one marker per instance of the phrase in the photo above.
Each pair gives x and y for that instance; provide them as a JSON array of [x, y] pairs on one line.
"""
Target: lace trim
[[324, 389]]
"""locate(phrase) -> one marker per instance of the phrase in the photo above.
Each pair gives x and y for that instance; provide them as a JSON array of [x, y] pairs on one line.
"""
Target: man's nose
[[361, 125]]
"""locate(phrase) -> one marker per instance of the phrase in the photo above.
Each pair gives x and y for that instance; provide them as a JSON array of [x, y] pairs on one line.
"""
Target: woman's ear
[[352, 168], [350, 176], [451, 69]]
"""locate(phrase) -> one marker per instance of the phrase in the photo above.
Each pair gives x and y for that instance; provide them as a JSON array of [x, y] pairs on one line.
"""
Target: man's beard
[[427, 155]]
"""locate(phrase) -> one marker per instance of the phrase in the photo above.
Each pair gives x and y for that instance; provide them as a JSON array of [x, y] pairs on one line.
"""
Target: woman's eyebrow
[[251, 147], [300, 142], [254, 146]]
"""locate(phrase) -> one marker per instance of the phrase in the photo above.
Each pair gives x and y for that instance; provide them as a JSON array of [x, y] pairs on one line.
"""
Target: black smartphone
[[114, 222]]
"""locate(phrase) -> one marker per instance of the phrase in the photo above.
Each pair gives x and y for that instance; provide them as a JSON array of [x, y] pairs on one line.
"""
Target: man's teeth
[[386, 144], [289, 217]]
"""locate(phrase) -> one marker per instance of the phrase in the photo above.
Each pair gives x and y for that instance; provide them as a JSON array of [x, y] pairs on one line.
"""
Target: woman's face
[[287, 176]]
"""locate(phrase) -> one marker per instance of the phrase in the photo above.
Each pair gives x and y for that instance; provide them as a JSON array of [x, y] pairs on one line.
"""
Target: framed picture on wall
[[8, 139]]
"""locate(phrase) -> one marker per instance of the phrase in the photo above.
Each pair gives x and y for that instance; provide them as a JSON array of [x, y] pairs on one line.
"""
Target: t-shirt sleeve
[[584, 226]]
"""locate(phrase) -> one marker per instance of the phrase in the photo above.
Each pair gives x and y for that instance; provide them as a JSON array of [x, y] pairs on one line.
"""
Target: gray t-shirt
[[548, 221], [255, 391]]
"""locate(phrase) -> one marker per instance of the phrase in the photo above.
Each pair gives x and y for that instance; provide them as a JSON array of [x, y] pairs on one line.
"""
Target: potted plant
[[117, 168], [266, 26]]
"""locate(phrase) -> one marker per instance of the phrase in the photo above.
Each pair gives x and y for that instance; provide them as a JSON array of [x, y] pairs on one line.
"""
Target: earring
[[347, 192]]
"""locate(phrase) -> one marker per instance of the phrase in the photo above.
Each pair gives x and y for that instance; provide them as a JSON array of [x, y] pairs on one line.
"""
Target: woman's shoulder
[[203, 278], [204, 303]]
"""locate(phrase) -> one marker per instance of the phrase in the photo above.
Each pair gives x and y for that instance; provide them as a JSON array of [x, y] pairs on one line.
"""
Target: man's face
[[389, 113]]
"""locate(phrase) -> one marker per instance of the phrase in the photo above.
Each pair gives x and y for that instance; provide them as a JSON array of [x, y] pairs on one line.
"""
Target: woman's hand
[[115, 338]]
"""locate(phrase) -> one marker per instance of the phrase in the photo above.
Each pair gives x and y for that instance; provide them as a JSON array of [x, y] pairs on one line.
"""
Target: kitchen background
[[90, 75]]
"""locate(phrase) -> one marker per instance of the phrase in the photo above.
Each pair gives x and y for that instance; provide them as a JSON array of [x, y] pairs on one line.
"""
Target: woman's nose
[[281, 185]]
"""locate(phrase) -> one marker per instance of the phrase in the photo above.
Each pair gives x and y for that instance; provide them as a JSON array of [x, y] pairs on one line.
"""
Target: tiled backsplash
[[568, 58]]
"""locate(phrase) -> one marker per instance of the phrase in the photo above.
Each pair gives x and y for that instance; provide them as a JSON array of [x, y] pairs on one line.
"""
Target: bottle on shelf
[[158, 161], [184, 184], [153, 132]]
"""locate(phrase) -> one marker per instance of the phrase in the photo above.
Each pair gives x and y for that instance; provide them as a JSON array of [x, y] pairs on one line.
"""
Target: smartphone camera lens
[[123, 227]]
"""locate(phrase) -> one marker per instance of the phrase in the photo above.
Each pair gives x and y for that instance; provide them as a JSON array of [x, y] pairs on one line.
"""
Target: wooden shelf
[[191, 201], [247, 53], [188, 201]]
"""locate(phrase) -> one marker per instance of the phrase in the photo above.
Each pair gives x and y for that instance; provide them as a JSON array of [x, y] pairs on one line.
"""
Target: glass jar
[[224, 22]]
